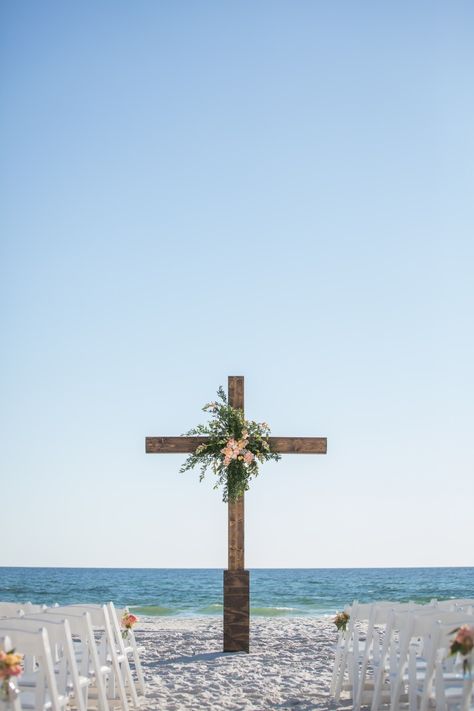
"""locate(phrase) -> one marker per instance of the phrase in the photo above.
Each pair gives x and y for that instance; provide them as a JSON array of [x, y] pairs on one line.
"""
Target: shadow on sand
[[207, 657]]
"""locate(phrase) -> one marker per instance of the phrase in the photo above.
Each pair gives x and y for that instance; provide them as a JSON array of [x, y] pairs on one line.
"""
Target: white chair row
[[91, 662], [14, 609], [396, 655]]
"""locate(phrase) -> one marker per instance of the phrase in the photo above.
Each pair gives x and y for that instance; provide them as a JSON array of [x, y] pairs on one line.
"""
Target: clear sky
[[280, 190]]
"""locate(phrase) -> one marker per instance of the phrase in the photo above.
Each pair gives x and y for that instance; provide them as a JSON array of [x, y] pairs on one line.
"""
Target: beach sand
[[289, 665]]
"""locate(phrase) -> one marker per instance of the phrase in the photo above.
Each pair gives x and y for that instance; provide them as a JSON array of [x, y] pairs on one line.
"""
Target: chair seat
[[27, 700], [29, 680], [104, 668], [83, 681]]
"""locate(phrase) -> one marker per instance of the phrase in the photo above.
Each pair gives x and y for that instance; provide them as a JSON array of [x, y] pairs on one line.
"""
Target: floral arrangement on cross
[[234, 449]]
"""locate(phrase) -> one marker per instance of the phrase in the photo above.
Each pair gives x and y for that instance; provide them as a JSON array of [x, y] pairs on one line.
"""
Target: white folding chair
[[356, 653], [86, 651], [441, 682], [64, 656], [379, 617], [407, 645], [108, 651], [347, 647], [125, 647], [38, 661], [398, 634], [129, 645]]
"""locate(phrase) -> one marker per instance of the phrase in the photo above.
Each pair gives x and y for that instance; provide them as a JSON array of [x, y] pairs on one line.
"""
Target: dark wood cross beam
[[236, 578]]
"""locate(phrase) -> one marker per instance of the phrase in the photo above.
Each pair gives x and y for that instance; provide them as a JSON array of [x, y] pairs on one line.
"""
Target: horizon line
[[184, 567]]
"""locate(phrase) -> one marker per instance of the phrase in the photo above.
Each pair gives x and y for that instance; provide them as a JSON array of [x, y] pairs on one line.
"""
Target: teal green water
[[273, 592]]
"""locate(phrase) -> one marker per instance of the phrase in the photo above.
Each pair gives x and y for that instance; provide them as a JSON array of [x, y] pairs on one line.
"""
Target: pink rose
[[465, 637]]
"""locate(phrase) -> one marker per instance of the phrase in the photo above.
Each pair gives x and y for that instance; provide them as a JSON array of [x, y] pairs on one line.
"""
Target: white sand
[[289, 665]]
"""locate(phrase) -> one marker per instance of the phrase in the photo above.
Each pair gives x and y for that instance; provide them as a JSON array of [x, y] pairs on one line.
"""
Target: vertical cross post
[[236, 578]]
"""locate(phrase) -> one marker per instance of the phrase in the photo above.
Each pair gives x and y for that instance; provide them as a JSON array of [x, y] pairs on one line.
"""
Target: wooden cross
[[236, 578]]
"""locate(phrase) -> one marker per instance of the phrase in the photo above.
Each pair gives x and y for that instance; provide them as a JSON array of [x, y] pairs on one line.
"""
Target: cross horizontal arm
[[299, 445], [173, 445], [283, 445]]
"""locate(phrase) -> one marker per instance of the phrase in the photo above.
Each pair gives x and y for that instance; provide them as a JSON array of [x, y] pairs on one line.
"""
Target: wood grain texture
[[236, 511], [299, 445], [236, 611], [173, 445], [235, 391], [236, 534], [283, 445]]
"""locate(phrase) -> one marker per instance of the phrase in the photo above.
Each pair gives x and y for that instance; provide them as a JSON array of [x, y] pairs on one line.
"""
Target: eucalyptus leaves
[[233, 450]]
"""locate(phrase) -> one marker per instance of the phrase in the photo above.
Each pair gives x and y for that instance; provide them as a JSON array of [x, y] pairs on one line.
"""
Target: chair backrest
[[97, 613], [56, 636], [58, 630], [60, 638], [14, 609], [81, 626], [10, 609], [35, 646], [456, 602]]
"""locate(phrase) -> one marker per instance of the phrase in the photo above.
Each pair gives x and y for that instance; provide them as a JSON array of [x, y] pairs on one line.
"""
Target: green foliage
[[234, 449]]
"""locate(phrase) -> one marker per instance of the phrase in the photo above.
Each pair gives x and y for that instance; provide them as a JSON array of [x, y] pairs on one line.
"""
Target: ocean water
[[273, 592]]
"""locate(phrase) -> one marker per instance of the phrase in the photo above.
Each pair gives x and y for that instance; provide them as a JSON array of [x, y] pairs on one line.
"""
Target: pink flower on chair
[[10, 666], [463, 644], [128, 620]]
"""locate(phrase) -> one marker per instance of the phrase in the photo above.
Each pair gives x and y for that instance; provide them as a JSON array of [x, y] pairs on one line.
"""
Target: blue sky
[[280, 190]]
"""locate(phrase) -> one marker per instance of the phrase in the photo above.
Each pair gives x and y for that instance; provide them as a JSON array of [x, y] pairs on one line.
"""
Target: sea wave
[[213, 609], [153, 610], [276, 611]]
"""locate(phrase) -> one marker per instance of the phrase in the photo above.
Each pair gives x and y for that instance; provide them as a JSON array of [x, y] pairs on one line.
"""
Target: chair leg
[[127, 675], [139, 670], [337, 663], [118, 684]]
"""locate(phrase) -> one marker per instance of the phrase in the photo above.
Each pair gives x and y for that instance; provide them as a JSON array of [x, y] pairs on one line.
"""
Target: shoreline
[[282, 614]]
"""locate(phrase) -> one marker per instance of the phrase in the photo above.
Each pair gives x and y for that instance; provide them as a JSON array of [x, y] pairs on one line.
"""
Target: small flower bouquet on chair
[[127, 621], [341, 620], [10, 666], [463, 644]]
